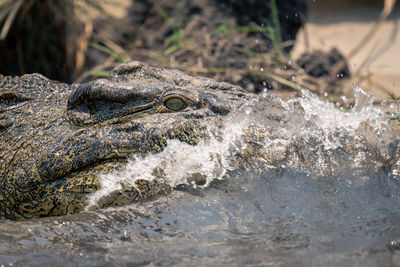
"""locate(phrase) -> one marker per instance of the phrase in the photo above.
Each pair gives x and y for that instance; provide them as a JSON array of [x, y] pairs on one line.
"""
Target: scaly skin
[[55, 139]]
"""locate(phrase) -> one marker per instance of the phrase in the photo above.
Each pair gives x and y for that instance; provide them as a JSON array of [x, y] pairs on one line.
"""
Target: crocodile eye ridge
[[175, 103]]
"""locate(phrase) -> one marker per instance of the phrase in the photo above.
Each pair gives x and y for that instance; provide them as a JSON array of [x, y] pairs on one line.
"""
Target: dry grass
[[216, 48], [209, 43]]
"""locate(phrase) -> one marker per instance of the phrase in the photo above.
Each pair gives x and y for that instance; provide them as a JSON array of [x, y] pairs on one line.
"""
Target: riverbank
[[375, 66]]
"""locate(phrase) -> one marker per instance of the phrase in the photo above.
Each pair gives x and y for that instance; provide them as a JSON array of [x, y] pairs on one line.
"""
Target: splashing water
[[317, 126], [210, 158], [287, 183], [328, 117]]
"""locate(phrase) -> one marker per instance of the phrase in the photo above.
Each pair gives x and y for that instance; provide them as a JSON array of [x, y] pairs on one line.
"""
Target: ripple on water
[[324, 190]]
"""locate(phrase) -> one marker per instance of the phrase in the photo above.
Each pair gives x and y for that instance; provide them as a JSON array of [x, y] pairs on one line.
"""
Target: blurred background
[[370, 43], [324, 46]]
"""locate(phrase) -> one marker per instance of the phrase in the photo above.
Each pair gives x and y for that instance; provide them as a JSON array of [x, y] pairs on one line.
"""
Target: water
[[316, 186]]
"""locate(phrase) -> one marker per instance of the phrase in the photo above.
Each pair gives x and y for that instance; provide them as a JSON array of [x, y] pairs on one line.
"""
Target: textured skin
[[55, 139]]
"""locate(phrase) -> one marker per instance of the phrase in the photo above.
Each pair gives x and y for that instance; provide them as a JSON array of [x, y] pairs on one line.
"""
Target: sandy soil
[[205, 40], [343, 24]]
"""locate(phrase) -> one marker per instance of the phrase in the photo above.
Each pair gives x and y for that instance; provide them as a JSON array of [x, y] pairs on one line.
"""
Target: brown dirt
[[202, 38], [375, 67]]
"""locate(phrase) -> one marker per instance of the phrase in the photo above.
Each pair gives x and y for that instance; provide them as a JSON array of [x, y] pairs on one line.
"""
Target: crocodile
[[56, 139]]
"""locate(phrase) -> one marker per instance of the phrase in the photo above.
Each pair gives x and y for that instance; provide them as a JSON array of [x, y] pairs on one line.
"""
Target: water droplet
[[264, 92], [392, 105], [262, 69], [384, 102], [326, 94]]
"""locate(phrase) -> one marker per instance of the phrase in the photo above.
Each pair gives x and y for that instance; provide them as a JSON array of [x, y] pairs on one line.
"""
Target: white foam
[[213, 157], [328, 117]]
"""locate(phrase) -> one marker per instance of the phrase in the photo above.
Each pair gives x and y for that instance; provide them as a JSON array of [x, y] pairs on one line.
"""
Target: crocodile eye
[[175, 103]]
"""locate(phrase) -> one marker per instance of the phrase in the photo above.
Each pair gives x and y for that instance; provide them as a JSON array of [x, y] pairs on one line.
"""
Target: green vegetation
[[275, 30], [251, 53], [108, 51], [98, 74], [396, 100], [52, 38], [177, 39]]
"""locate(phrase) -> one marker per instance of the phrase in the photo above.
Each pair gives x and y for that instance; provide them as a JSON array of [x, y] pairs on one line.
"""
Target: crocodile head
[[56, 139]]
